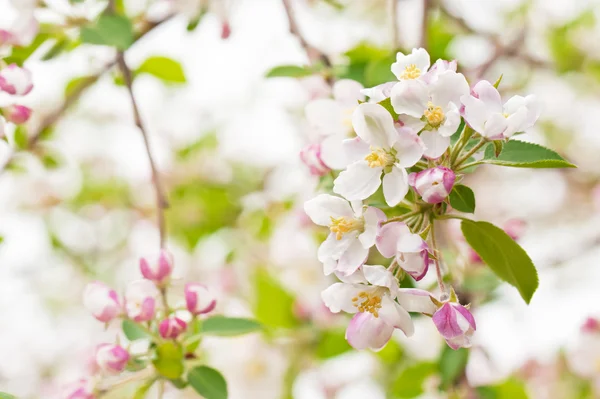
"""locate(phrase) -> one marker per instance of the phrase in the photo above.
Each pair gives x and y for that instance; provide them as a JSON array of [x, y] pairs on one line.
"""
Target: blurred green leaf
[[20, 54], [452, 365], [4, 395], [291, 71], [520, 154], [332, 343], [379, 71], [21, 138], [561, 39], [510, 389], [409, 383], [75, 83], [51, 159], [229, 326], [439, 37], [134, 331], [142, 391], [165, 69], [391, 353], [168, 360], [109, 30], [208, 382], [274, 306]]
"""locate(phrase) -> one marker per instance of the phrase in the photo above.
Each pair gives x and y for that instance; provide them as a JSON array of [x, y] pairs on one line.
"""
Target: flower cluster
[[408, 144], [145, 305]]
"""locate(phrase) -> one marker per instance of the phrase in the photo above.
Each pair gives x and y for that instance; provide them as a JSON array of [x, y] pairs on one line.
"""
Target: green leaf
[[51, 160], [7, 396], [387, 104], [208, 382], [134, 331], [274, 306], [290, 71], [332, 343], [452, 365], [165, 69], [409, 383], [498, 146], [379, 71], [76, 83], [169, 360], [142, 391], [503, 255], [462, 199], [509, 389], [229, 326], [21, 138], [109, 30], [520, 154]]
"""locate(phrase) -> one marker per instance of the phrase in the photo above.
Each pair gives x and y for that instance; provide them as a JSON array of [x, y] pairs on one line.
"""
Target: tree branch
[[425, 24], [393, 9], [161, 200]]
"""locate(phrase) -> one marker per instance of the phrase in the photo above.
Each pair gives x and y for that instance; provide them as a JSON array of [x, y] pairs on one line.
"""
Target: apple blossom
[[433, 185], [433, 108], [456, 324], [140, 300], [353, 231], [484, 112], [199, 299], [159, 271], [410, 250], [171, 327], [411, 66], [370, 293], [82, 389], [311, 157], [101, 301], [17, 114], [15, 80], [111, 359], [380, 148]]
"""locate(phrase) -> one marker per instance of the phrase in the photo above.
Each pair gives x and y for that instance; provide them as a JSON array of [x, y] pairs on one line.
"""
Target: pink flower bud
[[456, 325], [140, 300], [171, 327], [225, 30], [17, 113], [15, 80], [101, 301], [160, 271], [591, 325], [82, 389], [311, 157], [6, 38], [515, 228], [433, 185], [199, 299], [111, 359]]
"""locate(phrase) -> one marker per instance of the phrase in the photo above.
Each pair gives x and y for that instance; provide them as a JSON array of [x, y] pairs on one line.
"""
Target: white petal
[[323, 207], [396, 316], [326, 116], [410, 148], [419, 57], [357, 277], [387, 239], [338, 297], [495, 126], [348, 92], [374, 125], [409, 242], [489, 95], [366, 331], [332, 248], [358, 181], [435, 144], [353, 258], [451, 123], [380, 276], [410, 97], [372, 218], [333, 152], [516, 122], [415, 300], [380, 92], [411, 122], [355, 149], [475, 112], [395, 186], [449, 87]]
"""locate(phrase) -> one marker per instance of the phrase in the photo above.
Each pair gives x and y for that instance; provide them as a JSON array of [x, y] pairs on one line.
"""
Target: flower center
[[255, 369], [506, 114], [380, 158], [343, 225], [411, 72], [368, 302], [434, 115]]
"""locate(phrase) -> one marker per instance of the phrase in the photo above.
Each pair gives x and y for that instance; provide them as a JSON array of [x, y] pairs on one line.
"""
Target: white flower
[[485, 113], [371, 293], [331, 118], [64, 12], [380, 148], [353, 231], [416, 66], [433, 107], [410, 250]]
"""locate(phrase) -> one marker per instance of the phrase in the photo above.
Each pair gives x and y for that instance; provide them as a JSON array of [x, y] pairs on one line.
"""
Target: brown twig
[[424, 34], [161, 200], [393, 5]]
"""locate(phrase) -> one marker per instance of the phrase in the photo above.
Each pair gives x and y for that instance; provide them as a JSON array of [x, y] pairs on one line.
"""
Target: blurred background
[[226, 127]]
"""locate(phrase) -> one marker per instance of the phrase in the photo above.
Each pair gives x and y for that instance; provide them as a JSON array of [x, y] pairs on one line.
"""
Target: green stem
[[402, 217], [469, 165], [472, 151], [462, 142], [448, 217], [436, 261]]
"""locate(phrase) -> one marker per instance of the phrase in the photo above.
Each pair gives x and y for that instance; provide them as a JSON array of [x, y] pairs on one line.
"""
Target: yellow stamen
[[380, 158], [368, 302], [343, 225], [411, 72], [434, 115]]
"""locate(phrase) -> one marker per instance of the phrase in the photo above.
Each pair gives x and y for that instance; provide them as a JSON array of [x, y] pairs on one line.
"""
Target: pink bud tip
[[101, 301], [15, 80], [225, 30], [311, 157], [591, 325], [159, 271], [17, 114], [82, 389], [199, 299], [171, 328], [455, 324], [433, 185], [111, 359], [140, 300]]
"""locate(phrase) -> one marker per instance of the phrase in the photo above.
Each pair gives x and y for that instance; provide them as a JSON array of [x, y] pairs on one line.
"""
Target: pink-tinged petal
[[437, 69], [379, 276], [367, 332], [416, 124], [433, 185], [475, 112], [464, 312], [495, 127], [489, 95], [396, 315], [395, 186], [410, 148], [435, 144], [452, 122], [111, 359], [348, 92], [446, 322], [353, 258], [515, 228], [358, 277], [338, 297], [333, 153], [311, 157], [17, 114], [101, 301], [410, 97], [172, 327], [415, 300], [462, 341], [324, 207], [516, 122], [327, 116], [199, 299], [409, 242], [355, 149], [332, 248], [449, 87], [359, 181], [374, 124], [372, 216], [380, 92], [388, 236], [15, 80], [415, 264], [140, 300]]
